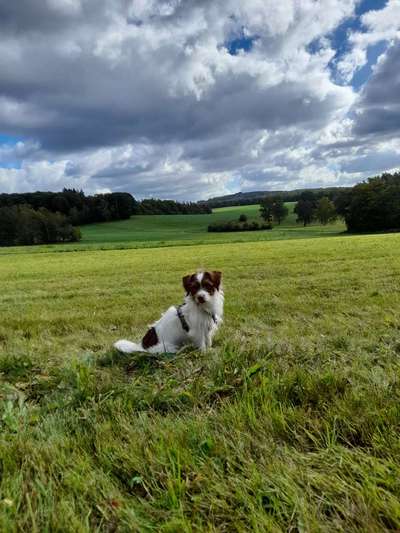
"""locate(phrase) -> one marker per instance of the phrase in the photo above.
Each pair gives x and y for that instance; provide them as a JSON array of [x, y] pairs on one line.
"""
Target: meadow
[[144, 231], [289, 423]]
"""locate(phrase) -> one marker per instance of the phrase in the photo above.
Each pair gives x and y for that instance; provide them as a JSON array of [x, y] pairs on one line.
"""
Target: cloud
[[378, 109], [150, 96], [381, 25]]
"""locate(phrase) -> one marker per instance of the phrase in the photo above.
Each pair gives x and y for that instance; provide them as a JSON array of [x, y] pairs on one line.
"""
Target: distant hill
[[255, 197]]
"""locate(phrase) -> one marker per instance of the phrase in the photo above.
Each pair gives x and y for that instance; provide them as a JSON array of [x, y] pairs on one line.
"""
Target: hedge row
[[238, 226]]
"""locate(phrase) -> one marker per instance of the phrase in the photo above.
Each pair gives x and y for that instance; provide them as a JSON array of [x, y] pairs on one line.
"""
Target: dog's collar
[[183, 321], [181, 317]]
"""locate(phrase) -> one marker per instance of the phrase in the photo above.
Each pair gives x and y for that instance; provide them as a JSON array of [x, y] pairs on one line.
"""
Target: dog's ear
[[216, 278], [186, 282]]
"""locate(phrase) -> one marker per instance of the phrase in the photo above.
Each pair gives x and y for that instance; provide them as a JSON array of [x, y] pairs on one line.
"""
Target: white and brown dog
[[193, 322]]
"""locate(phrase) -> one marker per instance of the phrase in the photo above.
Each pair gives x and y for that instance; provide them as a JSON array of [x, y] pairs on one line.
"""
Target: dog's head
[[202, 286]]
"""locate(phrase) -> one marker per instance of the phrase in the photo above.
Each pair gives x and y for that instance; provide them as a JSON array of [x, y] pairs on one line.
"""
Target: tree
[[60, 203], [373, 205], [8, 225], [326, 211], [305, 208], [279, 209], [273, 207], [266, 208], [23, 225], [243, 218]]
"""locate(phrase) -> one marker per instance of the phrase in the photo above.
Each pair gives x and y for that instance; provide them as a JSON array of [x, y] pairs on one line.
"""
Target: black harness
[[185, 325], [182, 319]]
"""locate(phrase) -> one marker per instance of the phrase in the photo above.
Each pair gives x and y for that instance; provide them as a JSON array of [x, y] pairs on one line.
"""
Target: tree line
[[154, 206], [75, 205], [81, 209], [257, 197], [373, 205], [51, 217], [308, 208]]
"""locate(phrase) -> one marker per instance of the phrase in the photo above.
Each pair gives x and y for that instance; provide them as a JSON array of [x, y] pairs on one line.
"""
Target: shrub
[[238, 226], [243, 218]]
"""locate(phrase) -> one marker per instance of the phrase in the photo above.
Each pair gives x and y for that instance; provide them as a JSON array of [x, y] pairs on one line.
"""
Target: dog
[[194, 322]]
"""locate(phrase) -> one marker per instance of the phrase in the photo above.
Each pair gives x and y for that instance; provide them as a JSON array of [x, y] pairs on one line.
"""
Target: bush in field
[[243, 218], [373, 205], [238, 226]]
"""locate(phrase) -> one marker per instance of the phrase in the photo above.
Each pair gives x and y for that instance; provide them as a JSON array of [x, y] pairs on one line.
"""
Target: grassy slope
[[169, 230], [290, 422], [193, 228]]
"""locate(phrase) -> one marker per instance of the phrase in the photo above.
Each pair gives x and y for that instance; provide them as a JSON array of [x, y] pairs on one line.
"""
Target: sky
[[189, 99]]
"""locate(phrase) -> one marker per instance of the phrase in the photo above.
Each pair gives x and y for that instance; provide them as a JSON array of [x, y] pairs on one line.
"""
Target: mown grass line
[[290, 422]]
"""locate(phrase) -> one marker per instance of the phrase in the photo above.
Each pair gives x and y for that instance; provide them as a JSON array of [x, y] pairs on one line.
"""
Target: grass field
[[177, 230], [182, 229], [290, 423]]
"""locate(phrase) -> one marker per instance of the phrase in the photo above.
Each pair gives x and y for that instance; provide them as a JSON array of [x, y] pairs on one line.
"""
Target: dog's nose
[[200, 299]]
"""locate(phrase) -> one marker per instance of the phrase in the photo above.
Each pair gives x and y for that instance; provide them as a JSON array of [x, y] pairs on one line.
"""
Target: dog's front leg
[[200, 343], [203, 345], [209, 338]]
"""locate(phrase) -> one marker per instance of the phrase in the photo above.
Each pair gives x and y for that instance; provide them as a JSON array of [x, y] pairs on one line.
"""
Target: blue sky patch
[[362, 75], [9, 139], [369, 5], [242, 42], [340, 43]]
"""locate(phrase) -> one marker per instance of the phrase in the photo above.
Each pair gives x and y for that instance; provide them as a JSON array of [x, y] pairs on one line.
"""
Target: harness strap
[[185, 325], [181, 317]]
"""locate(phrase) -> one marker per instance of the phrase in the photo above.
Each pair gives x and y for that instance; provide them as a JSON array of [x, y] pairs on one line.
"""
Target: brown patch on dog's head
[[191, 284], [210, 282]]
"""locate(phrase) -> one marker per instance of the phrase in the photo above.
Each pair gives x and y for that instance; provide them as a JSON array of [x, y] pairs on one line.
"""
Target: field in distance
[[290, 423], [144, 231], [187, 229]]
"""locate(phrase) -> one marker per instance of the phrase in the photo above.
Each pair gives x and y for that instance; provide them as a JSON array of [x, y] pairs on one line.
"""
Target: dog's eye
[[195, 287], [208, 286]]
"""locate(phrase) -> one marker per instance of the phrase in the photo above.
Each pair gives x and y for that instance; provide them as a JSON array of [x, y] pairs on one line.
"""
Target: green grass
[[183, 229], [177, 230], [291, 421]]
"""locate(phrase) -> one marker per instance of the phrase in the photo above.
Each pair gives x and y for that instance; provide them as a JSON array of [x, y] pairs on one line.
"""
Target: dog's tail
[[128, 346]]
